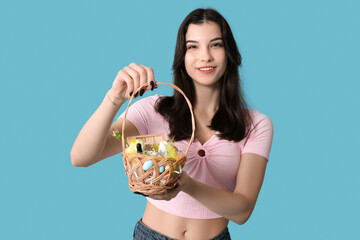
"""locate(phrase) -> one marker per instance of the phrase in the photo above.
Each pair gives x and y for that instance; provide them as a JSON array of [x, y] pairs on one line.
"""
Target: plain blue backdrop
[[58, 59]]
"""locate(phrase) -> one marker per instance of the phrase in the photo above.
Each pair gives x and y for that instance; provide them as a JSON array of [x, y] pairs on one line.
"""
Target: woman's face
[[205, 58]]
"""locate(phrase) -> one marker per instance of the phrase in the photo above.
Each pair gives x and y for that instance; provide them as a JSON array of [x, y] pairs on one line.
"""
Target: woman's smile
[[207, 69]]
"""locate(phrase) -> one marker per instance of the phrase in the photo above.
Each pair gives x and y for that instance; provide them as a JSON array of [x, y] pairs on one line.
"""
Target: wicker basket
[[152, 181]]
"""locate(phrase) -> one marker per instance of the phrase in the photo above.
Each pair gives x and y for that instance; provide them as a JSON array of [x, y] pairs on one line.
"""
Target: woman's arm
[[91, 140], [236, 206], [94, 141]]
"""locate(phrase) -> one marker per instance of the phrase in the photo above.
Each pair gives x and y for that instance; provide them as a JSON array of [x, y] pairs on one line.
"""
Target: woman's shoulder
[[259, 138], [258, 116], [260, 120]]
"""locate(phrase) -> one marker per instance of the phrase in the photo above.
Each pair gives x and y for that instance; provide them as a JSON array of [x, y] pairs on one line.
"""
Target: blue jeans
[[142, 232]]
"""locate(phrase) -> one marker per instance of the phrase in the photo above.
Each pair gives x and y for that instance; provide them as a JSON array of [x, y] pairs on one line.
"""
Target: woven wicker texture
[[152, 181]]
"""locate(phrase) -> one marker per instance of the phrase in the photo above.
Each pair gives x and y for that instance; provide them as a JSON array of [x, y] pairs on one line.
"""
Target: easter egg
[[162, 148], [161, 169], [167, 167], [147, 165]]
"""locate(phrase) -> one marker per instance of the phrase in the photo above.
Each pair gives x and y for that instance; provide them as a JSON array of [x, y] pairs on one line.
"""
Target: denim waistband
[[142, 232]]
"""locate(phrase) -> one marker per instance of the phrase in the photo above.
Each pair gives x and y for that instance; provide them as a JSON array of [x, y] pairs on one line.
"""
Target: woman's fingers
[[143, 72], [183, 180], [135, 75], [167, 195], [150, 77], [122, 85], [130, 78]]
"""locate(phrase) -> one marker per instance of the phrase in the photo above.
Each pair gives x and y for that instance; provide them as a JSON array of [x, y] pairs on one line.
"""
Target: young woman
[[227, 160]]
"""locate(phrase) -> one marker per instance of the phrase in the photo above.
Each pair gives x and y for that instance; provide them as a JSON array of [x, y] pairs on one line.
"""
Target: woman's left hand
[[184, 180]]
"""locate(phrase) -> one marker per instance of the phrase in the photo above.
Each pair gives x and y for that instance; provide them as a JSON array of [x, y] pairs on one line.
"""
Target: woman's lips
[[207, 69]]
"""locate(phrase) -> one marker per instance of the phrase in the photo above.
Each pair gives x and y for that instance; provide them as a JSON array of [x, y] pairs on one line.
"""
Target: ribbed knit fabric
[[214, 163]]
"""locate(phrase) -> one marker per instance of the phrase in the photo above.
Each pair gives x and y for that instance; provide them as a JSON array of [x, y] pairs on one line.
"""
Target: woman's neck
[[207, 100]]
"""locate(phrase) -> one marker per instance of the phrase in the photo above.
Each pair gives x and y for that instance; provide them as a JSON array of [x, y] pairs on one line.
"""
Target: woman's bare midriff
[[182, 228]]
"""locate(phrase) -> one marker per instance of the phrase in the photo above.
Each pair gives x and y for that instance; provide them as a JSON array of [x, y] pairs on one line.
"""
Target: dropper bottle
[[138, 148]]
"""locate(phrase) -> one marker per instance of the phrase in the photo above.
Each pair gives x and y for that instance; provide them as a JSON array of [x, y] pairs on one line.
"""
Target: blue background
[[58, 59]]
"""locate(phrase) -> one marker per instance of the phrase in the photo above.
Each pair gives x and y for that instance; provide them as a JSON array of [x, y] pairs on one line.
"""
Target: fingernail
[[139, 193], [142, 92], [136, 94], [152, 85], [131, 94]]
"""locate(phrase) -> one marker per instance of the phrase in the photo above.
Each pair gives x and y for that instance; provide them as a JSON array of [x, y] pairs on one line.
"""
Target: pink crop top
[[214, 163]]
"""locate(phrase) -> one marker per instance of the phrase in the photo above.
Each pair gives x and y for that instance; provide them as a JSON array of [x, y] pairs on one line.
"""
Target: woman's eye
[[217, 45], [191, 47]]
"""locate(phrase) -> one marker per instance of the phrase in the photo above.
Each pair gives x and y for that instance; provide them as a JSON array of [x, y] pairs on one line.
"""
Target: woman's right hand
[[129, 79]]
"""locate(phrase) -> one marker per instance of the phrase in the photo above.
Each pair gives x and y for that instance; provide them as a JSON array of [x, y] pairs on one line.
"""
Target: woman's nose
[[205, 55]]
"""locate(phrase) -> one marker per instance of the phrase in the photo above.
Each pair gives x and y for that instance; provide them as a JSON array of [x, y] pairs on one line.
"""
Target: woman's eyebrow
[[212, 40], [215, 39], [190, 41]]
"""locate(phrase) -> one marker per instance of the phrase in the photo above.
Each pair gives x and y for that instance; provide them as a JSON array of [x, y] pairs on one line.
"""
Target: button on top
[[201, 153]]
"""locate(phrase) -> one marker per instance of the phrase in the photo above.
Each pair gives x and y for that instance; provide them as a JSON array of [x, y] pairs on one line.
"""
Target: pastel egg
[[161, 168], [147, 165]]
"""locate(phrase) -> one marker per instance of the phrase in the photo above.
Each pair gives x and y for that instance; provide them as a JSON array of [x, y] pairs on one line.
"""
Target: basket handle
[[188, 102]]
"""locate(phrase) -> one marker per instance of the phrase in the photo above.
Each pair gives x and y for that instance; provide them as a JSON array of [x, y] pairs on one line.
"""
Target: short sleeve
[[140, 112], [259, 139]]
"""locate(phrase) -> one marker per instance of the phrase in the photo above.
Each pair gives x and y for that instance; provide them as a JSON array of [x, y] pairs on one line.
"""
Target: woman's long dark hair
[[232, 118]]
